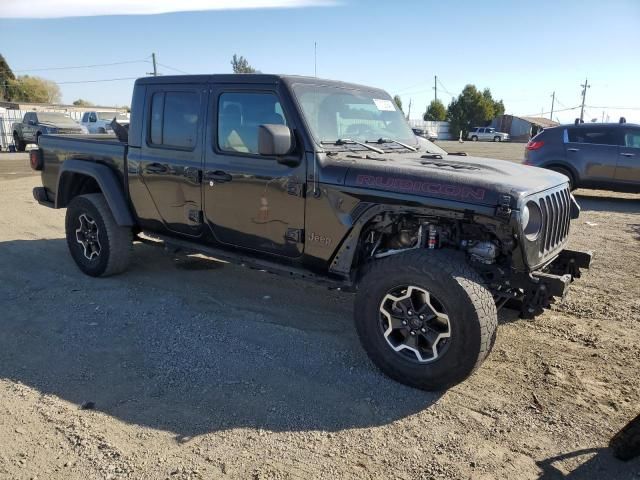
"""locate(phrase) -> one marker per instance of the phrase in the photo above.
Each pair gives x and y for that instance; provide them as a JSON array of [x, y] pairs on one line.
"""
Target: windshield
[[55, 117], [111, 115], [334, 113]]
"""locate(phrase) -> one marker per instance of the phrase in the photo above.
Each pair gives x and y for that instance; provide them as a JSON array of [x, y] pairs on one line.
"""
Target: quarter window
[[593, 135], [240, 115], [174, 119]]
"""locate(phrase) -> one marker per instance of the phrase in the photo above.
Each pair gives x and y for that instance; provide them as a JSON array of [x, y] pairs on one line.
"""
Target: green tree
[[398, 100], [472, 108], [6, 79], [241, 65], [82, 103], [34, 89], [436, 112]]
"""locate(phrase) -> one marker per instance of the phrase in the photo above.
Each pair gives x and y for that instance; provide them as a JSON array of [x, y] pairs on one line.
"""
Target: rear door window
[[632, 138], [174, 119], [593, 135]]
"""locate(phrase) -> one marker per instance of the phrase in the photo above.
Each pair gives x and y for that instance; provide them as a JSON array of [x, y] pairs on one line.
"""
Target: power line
[[614, 108], [173, 68], [82, 66]]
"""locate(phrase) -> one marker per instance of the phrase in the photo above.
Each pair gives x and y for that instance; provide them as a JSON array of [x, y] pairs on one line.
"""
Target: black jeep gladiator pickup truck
[[324, 181]]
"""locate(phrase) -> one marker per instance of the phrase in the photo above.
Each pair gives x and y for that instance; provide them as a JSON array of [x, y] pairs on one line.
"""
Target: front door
[[172, 153], [628, 168], [251, 201], [594, 151]]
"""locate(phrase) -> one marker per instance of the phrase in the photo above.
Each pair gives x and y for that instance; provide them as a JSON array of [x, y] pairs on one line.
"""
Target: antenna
[[315, 59]]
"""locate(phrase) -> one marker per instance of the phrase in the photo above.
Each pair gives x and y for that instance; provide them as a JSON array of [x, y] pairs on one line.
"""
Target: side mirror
[[274, 140]]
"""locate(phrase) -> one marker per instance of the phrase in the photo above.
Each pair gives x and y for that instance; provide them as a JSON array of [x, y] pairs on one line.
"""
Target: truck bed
[[105, 149]]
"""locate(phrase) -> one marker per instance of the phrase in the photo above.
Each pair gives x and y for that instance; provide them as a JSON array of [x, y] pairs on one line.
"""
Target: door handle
[[155, 168], [218, 176], [573, 149], [628, 155]]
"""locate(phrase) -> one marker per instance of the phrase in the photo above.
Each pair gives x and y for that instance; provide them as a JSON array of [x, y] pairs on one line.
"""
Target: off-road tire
[[21, 145], [626, 443], [460, 290], [567, 173], [115, 241]]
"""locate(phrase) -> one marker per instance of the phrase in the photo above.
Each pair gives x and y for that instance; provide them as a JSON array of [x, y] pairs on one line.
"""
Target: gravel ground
[[186, 367]]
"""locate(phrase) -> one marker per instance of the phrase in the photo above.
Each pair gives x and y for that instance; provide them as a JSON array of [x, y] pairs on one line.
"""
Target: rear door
[[252, 201], [172, 154], [628, 167], [593, 151], [28, 130]]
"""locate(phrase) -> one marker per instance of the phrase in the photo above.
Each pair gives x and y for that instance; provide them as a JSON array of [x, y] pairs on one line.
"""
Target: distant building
[[50, 107], [521, 129]]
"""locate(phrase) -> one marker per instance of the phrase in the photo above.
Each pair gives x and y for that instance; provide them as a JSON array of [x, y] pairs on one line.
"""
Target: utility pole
[[553, 100], [315, 59], [409, 113], [584, 96], [603, 116], [435, 86], [155, 68]]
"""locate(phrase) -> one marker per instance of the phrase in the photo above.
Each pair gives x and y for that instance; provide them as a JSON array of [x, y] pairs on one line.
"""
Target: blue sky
[[522, 51]]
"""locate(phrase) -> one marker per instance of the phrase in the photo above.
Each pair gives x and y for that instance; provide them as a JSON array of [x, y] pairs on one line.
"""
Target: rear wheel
[[566, 173], [20, 145], [98, 245], [425, 318]]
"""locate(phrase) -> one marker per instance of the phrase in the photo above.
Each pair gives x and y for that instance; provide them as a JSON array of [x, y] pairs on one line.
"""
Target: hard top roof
[[249, 78]]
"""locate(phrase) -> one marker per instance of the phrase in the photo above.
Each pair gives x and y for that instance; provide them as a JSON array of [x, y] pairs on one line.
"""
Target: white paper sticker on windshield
[[384, 105]]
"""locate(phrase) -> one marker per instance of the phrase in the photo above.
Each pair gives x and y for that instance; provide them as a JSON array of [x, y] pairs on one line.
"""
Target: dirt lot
[[198, 369]]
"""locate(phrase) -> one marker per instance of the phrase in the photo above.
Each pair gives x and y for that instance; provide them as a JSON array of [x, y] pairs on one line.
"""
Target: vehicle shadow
[[190, 346], [609, 203], [602, 464]]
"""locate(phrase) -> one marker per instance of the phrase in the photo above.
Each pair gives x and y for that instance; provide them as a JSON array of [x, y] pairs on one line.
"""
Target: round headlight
[[531, 218]]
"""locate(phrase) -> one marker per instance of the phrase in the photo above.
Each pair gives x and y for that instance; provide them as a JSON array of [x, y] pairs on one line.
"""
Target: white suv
[[487, 133], [100, 122]]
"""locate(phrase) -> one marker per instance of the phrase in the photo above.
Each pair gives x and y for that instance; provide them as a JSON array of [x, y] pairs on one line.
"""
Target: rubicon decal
[[417, 186]]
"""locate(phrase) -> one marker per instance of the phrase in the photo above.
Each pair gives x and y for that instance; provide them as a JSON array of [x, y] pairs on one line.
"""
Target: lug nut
[[404, 322], [423, 330], [412, 332], [421, 317], [409, 312]]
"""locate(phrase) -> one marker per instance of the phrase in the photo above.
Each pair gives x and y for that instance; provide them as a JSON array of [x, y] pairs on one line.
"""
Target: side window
[[85, 117], [632, 138], [174, 119], [27, 117], [240, 115], [92, 117], [593, 135]]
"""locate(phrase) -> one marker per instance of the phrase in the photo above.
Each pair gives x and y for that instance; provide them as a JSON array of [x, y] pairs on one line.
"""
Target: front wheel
[[98, 245], [20, 145], [497, 139], [474, 139], [425, 318]]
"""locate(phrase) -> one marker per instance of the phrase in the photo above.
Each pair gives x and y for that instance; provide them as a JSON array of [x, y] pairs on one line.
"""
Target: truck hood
[[476, 180]]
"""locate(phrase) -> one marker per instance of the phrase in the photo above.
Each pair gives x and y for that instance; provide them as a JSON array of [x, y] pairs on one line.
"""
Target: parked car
[[322, 181], [428, 134], [591, 155], [487, 133], [35, 124], [100, 122]]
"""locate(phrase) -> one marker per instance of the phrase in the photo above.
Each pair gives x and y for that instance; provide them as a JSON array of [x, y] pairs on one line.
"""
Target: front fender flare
[[108, 183]]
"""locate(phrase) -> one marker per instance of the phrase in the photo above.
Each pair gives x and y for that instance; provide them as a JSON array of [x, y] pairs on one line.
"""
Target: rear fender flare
[[106, 180], [567, 166]]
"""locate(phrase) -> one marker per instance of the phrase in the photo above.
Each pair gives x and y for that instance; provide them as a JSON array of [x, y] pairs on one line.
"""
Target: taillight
[[35, 159], [535, 144]]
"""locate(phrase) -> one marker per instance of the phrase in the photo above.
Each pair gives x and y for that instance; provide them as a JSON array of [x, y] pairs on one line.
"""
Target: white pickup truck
[[487, 133], [100, 122]]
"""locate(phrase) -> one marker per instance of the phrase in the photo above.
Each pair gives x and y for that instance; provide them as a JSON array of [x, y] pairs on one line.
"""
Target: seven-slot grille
[[556, 216]]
